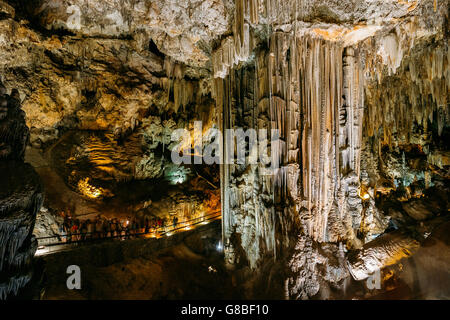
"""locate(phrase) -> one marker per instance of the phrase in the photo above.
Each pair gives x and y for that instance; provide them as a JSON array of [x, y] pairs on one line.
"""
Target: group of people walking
[[73, 230]]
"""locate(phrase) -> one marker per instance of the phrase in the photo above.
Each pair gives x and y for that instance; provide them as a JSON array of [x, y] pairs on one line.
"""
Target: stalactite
[[331, 99], [415, 96], [299, 89], [233, 50]]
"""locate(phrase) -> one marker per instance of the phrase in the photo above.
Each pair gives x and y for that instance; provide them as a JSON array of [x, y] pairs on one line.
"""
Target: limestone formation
[[14, 134], [321, 86], [20, 199], [358, 91], [384, 251]]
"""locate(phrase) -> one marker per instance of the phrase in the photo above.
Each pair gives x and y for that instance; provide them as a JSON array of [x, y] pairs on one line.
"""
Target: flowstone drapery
[[20, 199], [338, 94]]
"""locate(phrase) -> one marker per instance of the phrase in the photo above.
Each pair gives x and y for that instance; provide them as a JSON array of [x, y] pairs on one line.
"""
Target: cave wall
[[358, 90], [318, 149], [344, 96], [21, 196], [102, 98], [83, 79]]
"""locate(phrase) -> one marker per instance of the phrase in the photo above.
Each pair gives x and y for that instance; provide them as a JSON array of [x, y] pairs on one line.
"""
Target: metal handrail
[[159, 230]]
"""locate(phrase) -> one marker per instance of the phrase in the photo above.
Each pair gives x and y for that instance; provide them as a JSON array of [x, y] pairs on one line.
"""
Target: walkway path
[[53, 244]]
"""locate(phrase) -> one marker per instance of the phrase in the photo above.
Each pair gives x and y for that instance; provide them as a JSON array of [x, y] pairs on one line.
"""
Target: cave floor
[[174, 273]]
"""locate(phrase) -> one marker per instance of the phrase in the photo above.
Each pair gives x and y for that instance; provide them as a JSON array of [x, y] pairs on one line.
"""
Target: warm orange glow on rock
[[88, 189]]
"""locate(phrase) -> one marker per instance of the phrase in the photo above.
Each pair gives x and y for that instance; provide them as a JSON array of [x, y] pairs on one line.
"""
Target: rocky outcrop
[[384, 251], [20, 199], [14, 134], [103, 99], [317, 271], [182, 30], [93, 81]]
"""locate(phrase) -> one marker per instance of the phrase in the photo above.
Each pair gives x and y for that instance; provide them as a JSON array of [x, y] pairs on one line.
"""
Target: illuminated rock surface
[[358, 90], [360, 108]]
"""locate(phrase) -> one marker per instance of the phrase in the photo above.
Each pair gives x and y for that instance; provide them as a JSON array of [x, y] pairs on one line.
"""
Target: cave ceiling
[[104, 64]]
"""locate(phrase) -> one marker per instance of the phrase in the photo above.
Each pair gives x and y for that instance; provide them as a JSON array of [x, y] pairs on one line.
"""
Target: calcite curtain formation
[[298, 89], [330, 91], [357, 89]]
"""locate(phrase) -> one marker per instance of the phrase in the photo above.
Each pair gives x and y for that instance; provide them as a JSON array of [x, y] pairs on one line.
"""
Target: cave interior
[[115, 152]]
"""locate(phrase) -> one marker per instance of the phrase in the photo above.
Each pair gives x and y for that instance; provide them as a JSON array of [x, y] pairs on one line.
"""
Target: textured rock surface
[[318, 270], [349, 98], [357, 88], [382, 252], [14, 134], [92, 81], [183, 30], [20, 199], [47, 224], [121, 81]]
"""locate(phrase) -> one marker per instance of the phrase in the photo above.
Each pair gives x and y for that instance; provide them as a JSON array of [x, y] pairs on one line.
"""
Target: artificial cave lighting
[[178, 179], [364, 195], [176, 175], [89, 190], [224, 149]]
